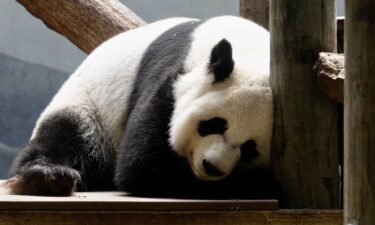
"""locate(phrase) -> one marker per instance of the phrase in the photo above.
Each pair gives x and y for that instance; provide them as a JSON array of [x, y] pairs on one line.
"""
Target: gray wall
[[26, 38], [340, 7]]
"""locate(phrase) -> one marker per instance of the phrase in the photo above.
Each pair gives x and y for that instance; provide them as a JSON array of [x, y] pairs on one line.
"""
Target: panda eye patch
[[248, 151], [215, 125]]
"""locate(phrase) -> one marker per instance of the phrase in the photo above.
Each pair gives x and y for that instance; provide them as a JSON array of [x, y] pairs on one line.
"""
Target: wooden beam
[[305, 144], [120, 201], [300, 217], [117, 208], [256, 10], [359, 111], [86, 23], [117, 201]]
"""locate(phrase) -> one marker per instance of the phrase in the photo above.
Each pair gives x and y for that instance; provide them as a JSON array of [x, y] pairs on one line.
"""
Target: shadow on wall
[[25, 90]]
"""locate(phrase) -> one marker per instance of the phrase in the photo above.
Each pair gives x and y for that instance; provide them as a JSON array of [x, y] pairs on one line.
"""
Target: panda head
[[223, 113]]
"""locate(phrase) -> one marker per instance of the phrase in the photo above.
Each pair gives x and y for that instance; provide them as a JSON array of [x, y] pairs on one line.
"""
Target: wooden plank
[[305, 144], [115, 208], [301, 217], [110, 201], [117, 201], [359, 119]]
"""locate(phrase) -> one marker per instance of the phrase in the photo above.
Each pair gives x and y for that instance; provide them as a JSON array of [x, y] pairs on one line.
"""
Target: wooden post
[[256, 10], [359, 113], [305, 143]]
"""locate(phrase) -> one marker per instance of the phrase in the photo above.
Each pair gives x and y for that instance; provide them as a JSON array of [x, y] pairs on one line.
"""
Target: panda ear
[[221, 62]]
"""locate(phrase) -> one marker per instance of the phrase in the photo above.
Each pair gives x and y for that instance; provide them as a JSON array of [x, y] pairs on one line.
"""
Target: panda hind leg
[[67, 153]]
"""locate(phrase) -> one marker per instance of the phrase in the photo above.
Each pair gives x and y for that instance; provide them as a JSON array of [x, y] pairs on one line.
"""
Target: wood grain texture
[[86, 23], [359, 113], [175, 218], [330, 69], [116, 208], [256, 10], [305, 144], [111, 201]]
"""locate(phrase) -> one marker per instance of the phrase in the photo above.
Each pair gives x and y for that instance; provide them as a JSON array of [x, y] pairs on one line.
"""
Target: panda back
[[103, 83]]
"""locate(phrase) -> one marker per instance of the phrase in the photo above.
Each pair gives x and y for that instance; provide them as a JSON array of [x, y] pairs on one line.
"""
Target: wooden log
[[359, 113], [305, 144], [330, 68], [86, 23], [256, 10]]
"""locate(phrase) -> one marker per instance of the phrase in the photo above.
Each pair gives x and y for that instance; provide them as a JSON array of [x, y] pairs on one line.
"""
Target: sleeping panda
[[177, 108]]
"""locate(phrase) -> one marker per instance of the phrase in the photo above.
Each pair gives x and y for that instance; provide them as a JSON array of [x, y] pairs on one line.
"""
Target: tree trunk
[[359, 113], [256, 10], [86, 23], [305, 144]]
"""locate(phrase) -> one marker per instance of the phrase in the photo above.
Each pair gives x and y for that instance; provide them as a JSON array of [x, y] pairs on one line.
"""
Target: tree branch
[[86, 23]]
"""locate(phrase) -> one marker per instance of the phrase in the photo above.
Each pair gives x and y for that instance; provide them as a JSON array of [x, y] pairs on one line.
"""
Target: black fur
[[70, 150], [212, 126], [249, 151], [58, 159], [147, 165], [211, 169], [221, 63]]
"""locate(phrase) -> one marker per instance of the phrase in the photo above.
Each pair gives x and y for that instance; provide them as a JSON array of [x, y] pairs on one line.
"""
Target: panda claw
[[45, 180]]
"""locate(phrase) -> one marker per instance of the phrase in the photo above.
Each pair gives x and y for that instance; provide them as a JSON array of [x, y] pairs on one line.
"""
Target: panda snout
[[211, 170]]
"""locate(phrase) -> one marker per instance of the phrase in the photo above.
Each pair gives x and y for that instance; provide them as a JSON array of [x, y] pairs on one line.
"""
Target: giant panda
[[177, 108]]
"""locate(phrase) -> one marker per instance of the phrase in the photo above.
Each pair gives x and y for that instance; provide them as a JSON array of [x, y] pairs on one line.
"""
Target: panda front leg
[[67, 152]]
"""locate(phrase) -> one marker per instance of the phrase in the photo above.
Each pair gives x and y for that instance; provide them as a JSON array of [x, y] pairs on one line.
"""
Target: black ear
[[221, 62]]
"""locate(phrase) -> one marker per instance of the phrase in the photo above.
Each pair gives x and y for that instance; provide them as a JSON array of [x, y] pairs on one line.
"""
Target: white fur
[[112, 67], [244, 100]]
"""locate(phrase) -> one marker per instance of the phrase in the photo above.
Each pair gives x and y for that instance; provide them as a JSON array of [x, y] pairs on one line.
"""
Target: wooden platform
[[116, 208]]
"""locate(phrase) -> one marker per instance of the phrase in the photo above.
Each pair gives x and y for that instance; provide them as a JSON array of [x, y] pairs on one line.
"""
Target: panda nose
[[211, 170]]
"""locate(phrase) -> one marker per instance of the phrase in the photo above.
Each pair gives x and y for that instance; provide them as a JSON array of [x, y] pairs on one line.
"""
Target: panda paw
[[52, 180]]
